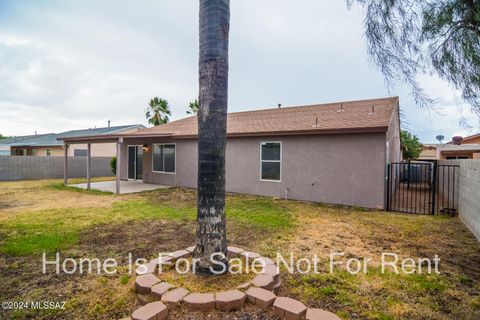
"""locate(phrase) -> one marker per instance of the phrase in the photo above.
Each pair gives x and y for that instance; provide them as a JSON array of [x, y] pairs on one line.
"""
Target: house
[[458, 148], [429, 152], [473, 139], [461, 148], [52, 144], [331, 153], [454, 152], [5, 143]]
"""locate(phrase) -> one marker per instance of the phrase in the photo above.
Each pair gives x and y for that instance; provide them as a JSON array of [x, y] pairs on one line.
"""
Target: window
[[270, 161], [48, 152], [79, 152], [164, 158]]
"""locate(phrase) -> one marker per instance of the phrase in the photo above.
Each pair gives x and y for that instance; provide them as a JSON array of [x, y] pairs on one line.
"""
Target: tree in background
[[3, 137], [411, 37], [158, 111], [411, 146], [193, 107], [211, 237]]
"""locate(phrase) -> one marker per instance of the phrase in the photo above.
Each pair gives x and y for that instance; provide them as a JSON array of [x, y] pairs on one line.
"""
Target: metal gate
[[422, 188]]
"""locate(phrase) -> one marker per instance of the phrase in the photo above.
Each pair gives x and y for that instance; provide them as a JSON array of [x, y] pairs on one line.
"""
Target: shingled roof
[[351, 116], [344, 116]]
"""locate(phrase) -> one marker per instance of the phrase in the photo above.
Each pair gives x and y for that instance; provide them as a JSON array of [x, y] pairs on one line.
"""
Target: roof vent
[[372, 112], [316, 122], [108, 124], [341, 108]]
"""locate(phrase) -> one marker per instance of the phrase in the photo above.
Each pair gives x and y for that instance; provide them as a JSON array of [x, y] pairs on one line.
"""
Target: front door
[[135, 162]]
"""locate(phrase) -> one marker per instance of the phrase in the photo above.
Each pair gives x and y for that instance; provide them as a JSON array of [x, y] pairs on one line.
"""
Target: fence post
[[388, 187], [89, 164], [434, 187], [65, 165]]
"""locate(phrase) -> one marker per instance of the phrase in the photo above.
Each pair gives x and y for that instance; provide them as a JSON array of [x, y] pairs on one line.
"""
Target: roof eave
[[295, 132], [109, 137]]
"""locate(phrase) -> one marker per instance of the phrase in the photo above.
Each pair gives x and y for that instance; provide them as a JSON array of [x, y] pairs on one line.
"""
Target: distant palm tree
[[193, 107], [158, 111]]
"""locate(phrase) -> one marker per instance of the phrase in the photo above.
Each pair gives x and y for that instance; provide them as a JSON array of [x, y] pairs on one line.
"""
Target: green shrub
[[113, 165]]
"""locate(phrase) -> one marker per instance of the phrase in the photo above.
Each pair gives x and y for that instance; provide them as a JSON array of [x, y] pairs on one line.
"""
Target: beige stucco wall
[[98, 150], [41, 151], [393, 138], [346, 169], [428, 153]]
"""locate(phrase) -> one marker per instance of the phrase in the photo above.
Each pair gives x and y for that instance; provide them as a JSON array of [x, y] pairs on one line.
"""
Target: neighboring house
[[331, 153], [463, 148], [52, 144], [473, 139], [5, 143], [454, 152], [4, 150], [429, 152]]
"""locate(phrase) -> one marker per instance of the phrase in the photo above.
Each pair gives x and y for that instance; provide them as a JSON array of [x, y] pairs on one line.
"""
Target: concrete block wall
[[34, 168], [468, 193]]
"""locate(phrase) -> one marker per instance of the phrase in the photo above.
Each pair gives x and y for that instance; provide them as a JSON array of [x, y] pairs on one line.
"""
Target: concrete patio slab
[[130, 186]]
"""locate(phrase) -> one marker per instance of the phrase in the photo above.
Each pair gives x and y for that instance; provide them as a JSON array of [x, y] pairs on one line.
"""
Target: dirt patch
[[8, 204], [248, 313]]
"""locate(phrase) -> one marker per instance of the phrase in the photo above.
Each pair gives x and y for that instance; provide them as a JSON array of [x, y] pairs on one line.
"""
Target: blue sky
[[76, 64]]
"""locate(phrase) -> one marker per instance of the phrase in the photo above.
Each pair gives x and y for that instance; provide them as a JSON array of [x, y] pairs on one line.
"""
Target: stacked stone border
[[261, 292]]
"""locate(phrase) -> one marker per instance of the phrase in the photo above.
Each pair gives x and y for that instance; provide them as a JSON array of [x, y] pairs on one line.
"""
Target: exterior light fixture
[[145, 147]]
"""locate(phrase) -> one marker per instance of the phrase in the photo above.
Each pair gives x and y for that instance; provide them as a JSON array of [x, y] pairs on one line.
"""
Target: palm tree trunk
[[212, 133]]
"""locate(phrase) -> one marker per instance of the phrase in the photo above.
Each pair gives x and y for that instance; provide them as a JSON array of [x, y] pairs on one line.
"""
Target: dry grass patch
[[206, 284]]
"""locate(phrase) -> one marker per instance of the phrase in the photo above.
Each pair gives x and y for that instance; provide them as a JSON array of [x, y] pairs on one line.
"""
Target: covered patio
[[129, 186], [123, 185]]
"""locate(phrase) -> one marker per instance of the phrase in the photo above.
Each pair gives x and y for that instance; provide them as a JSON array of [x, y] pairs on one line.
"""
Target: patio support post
[[65, 158], [89, 151], [117, 171]]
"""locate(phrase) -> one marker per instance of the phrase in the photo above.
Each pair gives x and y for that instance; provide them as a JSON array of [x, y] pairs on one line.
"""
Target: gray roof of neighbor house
[[56, 139], [8, 141]]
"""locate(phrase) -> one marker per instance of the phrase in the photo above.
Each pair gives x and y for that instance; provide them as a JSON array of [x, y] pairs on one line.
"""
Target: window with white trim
[[163, 158], [270, 161]]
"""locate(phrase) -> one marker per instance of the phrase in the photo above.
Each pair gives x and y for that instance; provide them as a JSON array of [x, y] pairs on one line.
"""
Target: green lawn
[[44, 216]]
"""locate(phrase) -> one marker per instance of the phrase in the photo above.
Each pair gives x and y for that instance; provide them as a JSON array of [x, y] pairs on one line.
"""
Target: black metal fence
[[422, 188]]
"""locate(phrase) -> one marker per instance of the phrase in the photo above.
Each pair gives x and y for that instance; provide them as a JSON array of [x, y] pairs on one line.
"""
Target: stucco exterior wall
[[98, 150], [394, 153], [39, 151], [346, 169]]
